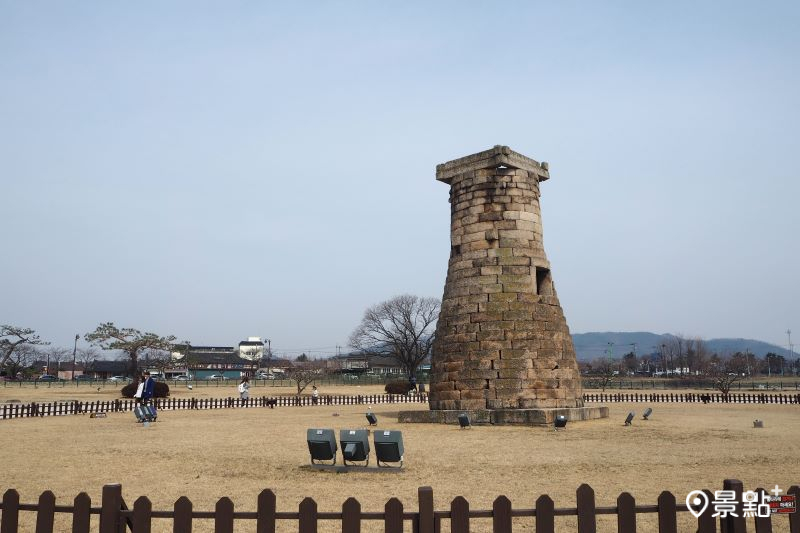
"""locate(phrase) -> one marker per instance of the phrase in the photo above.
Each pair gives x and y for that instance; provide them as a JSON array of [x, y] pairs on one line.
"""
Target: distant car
[[217, 377], [182, 378], [84, 377], [119, 379], [349, 376], [47, 377], [265, 376]]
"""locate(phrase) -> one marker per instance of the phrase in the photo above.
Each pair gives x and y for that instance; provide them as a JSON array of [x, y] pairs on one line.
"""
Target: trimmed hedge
[[398, 387], [161, 390]]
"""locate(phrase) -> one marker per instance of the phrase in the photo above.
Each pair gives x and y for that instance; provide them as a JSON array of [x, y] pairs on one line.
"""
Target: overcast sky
[[230, 169]]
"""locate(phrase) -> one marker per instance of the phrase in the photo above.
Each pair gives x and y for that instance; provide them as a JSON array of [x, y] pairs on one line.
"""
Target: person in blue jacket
[[148, 391]]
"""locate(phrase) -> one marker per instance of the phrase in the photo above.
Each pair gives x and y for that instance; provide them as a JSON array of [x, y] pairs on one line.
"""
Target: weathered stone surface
[[502, 341]]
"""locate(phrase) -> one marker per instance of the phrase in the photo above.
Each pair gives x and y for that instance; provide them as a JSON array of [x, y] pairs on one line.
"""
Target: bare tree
[[131, 341], [725, 372], [605, 369], [676, 351], [401, 327], [55, 355], [303, 372], [87, 357], [697, 354], [20, 359], [12, 337], [159, 359]]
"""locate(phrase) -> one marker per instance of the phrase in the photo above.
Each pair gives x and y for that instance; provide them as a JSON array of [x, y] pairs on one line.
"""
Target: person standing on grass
[[149, 391], [139, 390], [314, 395], [244, 388]]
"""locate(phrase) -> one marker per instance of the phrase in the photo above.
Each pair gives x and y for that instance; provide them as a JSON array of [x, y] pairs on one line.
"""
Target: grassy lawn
[[206, 455]]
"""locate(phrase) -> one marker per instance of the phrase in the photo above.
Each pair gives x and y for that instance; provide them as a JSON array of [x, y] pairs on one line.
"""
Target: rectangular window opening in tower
[[544, 283]]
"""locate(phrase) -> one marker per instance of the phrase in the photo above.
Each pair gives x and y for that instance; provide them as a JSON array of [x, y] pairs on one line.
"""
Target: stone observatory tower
[[502, 351]]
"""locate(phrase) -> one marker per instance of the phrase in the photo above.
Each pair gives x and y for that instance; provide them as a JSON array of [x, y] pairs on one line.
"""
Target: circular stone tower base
[[504, 417]]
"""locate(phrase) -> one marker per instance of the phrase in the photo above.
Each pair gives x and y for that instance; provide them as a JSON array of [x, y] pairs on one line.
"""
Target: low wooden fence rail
[[18, 410], [113, 516], [691, 397], [172, 404]]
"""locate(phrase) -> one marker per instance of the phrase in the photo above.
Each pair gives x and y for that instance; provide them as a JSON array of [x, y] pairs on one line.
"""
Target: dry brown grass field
[[206, 455]]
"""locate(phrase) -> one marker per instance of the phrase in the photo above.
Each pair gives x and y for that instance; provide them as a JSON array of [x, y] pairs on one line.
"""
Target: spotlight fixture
[[560, 422], [321, 445], [630, 418], [647, 413], [372, 419], [463, 421], [388, 447], [355, 445]]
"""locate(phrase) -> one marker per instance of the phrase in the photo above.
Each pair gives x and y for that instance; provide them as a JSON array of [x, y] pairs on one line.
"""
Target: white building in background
[[252, 349]]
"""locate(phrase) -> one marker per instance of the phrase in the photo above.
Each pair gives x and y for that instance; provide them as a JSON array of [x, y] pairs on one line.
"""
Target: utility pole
[[74, 352], [747, 359]]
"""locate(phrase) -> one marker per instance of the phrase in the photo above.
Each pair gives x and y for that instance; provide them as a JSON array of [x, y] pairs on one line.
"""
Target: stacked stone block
[[502, 341]]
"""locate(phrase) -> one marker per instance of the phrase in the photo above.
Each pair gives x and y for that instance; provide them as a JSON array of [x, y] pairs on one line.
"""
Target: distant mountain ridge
[[591, 345]]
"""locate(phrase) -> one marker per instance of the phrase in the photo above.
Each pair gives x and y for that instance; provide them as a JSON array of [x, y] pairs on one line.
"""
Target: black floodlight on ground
[[647, 413], [372, 419], [463, 421], [388, 447], [321, 445], [629, 419], [355, 445], [758, 423], [560, 422]]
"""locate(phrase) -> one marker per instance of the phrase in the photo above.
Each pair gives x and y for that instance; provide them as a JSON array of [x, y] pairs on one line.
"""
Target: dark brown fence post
[[111, 507], [794, 518], [45, 513], [706, 522], [425, 498], [587, 521], [393, 516], [545, 518], [626, 513], [223, 516], [501, 515], [266, 512], [308, 516], [734, 524], [763, 523], [142, 513], [182, 523], [351, 516], [459, 515], [10, 519], [80, 515], [667, 519]]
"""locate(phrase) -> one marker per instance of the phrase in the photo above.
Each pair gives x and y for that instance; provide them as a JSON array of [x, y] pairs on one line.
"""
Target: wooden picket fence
[[173, 404], [692, 397], [18, 410], [115, 516]]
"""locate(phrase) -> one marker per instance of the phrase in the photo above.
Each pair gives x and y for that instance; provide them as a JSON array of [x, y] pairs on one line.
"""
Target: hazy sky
[[231, 169]]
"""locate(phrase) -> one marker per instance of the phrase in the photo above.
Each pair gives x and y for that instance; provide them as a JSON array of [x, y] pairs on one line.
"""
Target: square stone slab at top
[[499, 156]]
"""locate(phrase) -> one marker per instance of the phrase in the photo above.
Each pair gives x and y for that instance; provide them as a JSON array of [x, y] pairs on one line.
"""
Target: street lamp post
[[74, 353]]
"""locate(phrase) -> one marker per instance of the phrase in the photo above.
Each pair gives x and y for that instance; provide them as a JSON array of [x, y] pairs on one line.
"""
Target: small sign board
[[783, 504]]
